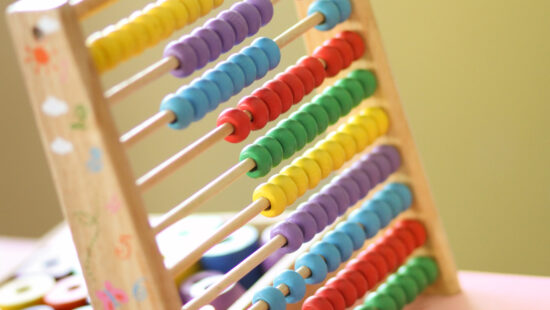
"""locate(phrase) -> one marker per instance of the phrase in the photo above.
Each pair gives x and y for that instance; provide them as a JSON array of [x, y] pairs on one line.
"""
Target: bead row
[[323, 208], [278, 95], [191, 103], [403, 287], [359, 275], [316, 164], [311, 120], [219, 35], [368, 269], [143, 29]]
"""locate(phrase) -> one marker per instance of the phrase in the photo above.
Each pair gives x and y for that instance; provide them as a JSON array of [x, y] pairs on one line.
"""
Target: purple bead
[[251, 15], [360, 178], [186, 56], [329, 205], [383, 163], [292, 233], [211, 39], [340, 195], [200, 47], [351, 187], [306, 222], [392, 153], [318, 213], [266, 9], [224, 31], [238, 24], [372, 171]]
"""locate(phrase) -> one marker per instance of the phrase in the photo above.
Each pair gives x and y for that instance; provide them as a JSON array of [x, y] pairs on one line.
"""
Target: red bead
[[333, 59], [416, 228], [345, 49], [272, 100], [367, 270], [386, 252], [305, 76], [376, 260], [317, 303], [346, 288], [315, 67], [333, 296], [239, 120], [356, 42], [357, 279], [295, 84], [398, 247], [406, 236], [284, 93], [258, 109]]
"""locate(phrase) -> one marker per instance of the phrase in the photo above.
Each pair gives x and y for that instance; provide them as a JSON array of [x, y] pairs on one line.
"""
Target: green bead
[[343, 97], [262, 158], [367, 79], [354, 87], [319, 114], [308, 122], [380, 301], [331, 106], [427, 264], [274, 147], [297, 130], [394, 291], [408, 285], [417, 274], [286, 139]]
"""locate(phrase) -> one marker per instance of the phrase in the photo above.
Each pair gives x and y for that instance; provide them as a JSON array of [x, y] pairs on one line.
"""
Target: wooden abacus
[[100, 196]]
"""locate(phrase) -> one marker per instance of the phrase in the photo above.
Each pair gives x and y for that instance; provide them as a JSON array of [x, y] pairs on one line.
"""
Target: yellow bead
[[178, 9], [346, 141], [275, 195], [358, 133], [154, 27], [323, 159], [139, 33], [166, 18], [125, 40], [111, 50], [311, 168], [217, 3], [193, 8], [99, 58], [380, 116], [287, 184], [368, 123], [299, 176], [336, 151], [206, 6]]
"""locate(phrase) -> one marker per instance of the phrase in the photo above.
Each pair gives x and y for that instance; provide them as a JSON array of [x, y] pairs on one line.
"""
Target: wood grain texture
[[100, 201]]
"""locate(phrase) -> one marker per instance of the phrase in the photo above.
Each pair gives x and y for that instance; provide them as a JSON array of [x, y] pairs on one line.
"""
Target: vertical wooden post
[[363, 21], [117, 250]]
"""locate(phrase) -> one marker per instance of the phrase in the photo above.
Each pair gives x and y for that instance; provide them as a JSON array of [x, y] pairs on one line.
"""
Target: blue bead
[[382, 209], [222, 81], [329, 9], [354, 232], [272, 296], [345, 9], [247, 66], [197, 98], [316, 265], [271, 49], [329, 252], [368, 219], [260, 60], [235, 73], [182, 108], [211, 90], [403, 191], [391, 198], [342, 242], [295, 283]]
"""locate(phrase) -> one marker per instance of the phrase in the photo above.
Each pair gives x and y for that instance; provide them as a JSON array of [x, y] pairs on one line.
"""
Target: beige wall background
[[474, 79]]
